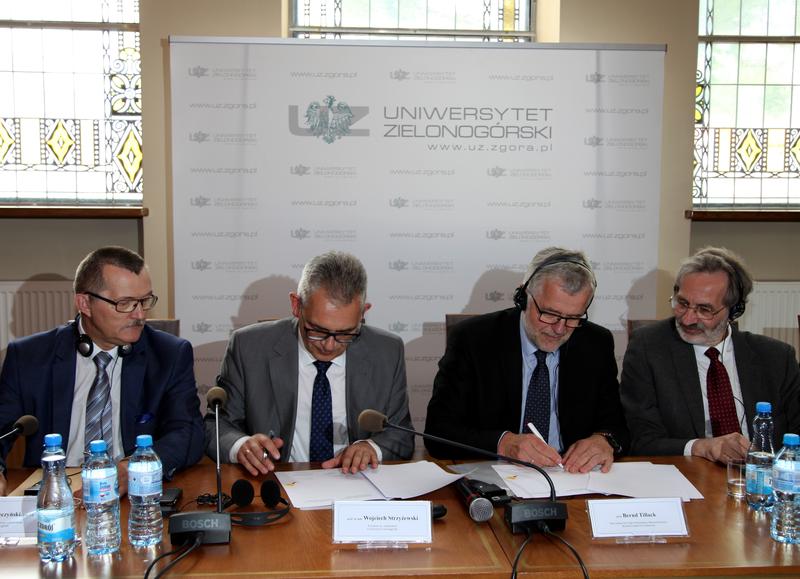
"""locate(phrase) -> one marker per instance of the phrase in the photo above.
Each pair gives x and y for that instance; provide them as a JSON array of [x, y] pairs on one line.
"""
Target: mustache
[[136, 324]]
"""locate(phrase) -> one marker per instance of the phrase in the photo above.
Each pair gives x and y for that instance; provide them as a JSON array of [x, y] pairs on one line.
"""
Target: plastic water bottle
[[101, 498], [145, 526], [759, 460], [785, 523], [55, 509]]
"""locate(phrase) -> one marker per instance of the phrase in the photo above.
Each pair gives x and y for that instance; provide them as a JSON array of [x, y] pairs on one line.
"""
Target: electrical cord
[[198, 539], [546, 530], [519, 554]]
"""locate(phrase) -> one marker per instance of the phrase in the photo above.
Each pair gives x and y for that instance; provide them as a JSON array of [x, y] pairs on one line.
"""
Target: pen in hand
[[538, 435], [265, 454]]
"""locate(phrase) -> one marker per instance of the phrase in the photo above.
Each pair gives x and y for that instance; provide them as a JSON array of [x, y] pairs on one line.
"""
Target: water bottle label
[[759, 481], [144, 483], [55, 525], [100, 485], [786, 481]]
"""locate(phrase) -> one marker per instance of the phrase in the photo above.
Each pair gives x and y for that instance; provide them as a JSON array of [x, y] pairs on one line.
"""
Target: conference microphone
[[25, 425], [213, 528], [520, 515], [480, 508]]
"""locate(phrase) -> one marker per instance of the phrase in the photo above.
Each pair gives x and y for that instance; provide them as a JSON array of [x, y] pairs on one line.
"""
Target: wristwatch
[[615, 446]]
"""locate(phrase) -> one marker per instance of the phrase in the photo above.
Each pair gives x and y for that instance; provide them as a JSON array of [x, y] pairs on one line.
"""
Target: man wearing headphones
[[105, 375], [538, 367], [690, 383]]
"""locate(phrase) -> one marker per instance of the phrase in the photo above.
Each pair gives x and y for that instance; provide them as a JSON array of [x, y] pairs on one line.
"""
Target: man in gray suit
[[690, 383], [296, 386]]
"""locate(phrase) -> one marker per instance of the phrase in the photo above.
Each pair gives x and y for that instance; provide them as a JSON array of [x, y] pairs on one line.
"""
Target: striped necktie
[[98, 404]]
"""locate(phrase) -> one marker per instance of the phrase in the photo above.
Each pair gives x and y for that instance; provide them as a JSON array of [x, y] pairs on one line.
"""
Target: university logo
[[594, 265], [300, 233], [595, 77], [592, 203], [198, 71], [201, 265], [201, 327], [494, 296], [330, 121], [198, 137], [398, 327], [300, 170], [398, 265], [200, 201], [399, 74], [398, 202], [593, 141], [495, 234], [496, 172]]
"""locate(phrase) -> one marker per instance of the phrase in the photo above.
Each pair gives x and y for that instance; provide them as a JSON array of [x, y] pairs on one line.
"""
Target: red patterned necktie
[[721, 408]]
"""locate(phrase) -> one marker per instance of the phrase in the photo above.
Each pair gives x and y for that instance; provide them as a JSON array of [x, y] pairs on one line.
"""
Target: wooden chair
[[166, 325]]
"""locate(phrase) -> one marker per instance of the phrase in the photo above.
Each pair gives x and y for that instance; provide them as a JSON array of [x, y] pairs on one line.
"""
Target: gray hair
[[570, 267], [716, 259], [342, 275]]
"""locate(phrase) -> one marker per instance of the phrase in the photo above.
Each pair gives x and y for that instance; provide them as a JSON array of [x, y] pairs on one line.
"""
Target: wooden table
[[726, 540]]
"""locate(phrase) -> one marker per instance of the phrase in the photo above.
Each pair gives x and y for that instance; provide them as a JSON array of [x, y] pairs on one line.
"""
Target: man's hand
[[529, 448], [356, 457], [722, 448], [259, 453], [3, 484], [587, 453]]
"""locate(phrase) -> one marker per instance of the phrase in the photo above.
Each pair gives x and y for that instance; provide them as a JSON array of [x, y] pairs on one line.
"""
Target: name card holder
[[17, 521], [382, 524], [627, 521]]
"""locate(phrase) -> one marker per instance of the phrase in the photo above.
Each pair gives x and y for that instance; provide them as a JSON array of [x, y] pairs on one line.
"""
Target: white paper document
[[319, 488], [630, 479]]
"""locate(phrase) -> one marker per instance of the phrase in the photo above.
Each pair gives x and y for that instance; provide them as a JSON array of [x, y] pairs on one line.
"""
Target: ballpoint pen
[[538, 435], [265, 454]]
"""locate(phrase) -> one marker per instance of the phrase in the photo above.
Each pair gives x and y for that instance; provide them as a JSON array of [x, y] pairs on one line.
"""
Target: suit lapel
[[510, 355], [747, 369], [357, 371], [688, 380], [63, 383], [282, 365], [132, 391]]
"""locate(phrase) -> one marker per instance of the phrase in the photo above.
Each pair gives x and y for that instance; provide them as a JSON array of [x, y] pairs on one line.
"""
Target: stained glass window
[[489, 20], [747, 105], [70, 108]]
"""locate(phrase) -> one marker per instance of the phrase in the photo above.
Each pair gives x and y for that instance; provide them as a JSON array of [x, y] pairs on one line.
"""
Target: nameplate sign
[[662, 517], [18, 516], [383, 522]]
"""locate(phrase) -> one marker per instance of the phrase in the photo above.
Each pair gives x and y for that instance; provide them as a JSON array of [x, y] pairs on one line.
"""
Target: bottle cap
[[98, 446], [144, 441], [790, 439], [763, 407], [52, 440]]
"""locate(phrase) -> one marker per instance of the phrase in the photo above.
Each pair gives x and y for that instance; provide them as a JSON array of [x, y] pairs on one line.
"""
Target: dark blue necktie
[[537, 402], [320, 445], [98, 404]]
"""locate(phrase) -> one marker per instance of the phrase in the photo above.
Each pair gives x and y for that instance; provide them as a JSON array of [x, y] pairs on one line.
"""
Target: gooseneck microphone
[[480, 508], [522, 515], [212, 528], [25, 425]]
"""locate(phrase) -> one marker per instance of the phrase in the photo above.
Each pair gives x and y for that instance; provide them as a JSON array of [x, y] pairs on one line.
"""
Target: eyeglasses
[[705, 312], [127, 305], [553, 318], [317, 335]]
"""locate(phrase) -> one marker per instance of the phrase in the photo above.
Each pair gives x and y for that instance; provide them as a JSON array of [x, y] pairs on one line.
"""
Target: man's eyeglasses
[[321, 334], [553, 318], [127, 305], [705, 312]]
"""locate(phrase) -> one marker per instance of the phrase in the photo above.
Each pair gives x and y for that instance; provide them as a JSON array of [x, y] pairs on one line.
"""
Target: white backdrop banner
[[443, 167]]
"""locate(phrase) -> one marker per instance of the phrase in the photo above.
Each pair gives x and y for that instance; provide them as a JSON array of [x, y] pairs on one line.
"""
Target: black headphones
[[737, 309], [521, 293], [242, 494], [85, 346]]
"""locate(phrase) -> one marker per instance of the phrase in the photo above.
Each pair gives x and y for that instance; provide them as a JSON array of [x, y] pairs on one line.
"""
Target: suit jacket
[[477, 392], [158, 394], [661, 386], [260, 374]]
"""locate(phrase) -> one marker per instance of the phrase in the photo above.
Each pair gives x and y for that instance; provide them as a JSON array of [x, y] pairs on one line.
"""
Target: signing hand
[[529, 448], [356, 457], [259, 453], [587, 453]]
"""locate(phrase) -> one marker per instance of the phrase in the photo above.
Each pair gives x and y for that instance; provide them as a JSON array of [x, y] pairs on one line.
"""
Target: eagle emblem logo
[[330, 120]]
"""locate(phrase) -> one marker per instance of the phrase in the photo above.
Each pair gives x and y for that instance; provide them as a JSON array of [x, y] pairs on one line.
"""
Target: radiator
[[27, 307], [772, 310]]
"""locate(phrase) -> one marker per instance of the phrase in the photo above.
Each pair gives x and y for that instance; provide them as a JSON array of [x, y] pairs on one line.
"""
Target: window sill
[[753, 216], [71, 212]]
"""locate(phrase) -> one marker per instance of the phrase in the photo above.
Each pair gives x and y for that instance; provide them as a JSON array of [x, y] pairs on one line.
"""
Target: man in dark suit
[[690, 383], [105, 375], [296, 386], [488, 389]]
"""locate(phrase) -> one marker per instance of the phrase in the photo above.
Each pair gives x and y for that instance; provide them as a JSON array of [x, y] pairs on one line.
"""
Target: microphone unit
[[534, 515], [25, 425], [480, 509]]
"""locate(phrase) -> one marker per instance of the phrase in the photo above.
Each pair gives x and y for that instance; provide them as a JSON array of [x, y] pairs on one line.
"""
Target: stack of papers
[[630, 479], [318, 489]]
